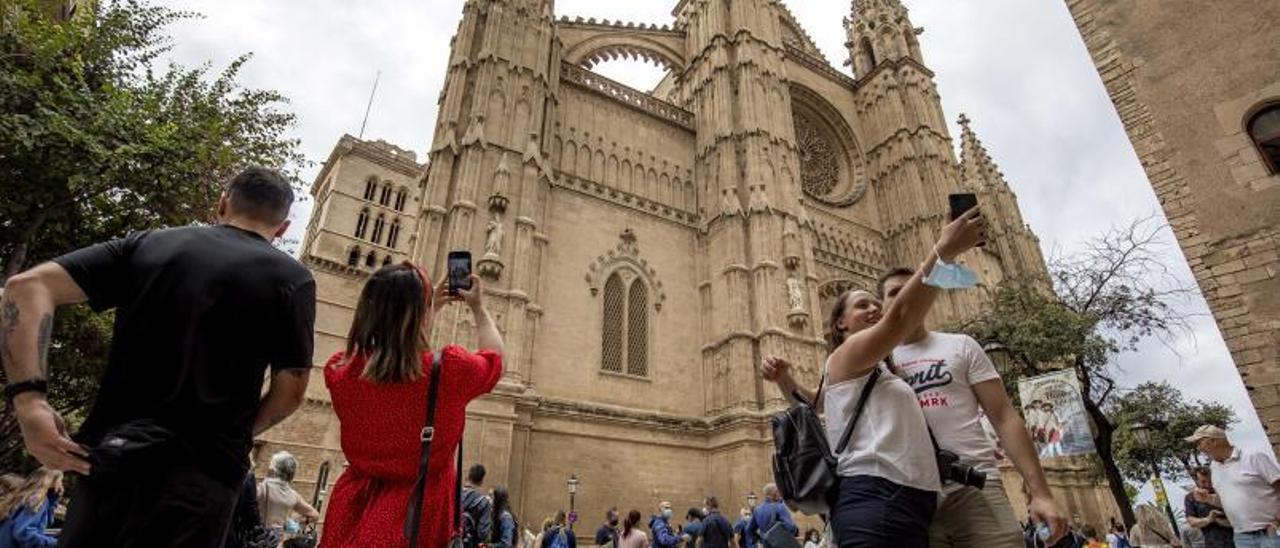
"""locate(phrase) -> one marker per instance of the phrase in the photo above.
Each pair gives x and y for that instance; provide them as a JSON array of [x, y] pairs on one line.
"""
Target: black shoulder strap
[[862, 404], [413, 520], [457, 508]]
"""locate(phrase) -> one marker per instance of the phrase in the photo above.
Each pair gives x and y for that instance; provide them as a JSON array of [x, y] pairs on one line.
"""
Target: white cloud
[[1018, 68]]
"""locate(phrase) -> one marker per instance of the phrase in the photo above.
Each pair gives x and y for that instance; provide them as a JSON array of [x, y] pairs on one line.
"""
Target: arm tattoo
[[8, 324], [42, 343]]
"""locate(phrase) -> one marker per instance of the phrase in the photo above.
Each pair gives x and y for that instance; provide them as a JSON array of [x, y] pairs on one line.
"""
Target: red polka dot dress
[[381, 426]]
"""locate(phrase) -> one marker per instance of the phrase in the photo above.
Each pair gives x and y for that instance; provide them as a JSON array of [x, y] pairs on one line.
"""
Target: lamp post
[[573, 491], [751, 500], [1142, 434]]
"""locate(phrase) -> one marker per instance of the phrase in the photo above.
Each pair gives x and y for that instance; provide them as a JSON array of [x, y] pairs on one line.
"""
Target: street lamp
[[751, 500], [1142, 434], [573, 490]]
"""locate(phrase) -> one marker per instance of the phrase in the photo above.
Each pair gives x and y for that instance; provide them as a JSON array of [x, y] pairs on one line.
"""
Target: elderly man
[[1248, 486], [769, 513]]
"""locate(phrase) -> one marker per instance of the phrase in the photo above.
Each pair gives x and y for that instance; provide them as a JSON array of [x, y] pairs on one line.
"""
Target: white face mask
[[666, 513]]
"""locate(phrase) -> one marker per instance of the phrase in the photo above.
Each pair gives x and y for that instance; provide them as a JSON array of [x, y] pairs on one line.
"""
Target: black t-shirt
[[201, 312], [1215, 536]]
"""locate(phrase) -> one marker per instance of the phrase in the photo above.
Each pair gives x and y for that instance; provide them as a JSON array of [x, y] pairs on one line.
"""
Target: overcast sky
[[1019, 69]]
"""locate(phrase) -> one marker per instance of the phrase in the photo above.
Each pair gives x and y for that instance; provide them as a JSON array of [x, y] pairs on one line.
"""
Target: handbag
[[413, 519], [804, 467], [305, 539], [779, 536]]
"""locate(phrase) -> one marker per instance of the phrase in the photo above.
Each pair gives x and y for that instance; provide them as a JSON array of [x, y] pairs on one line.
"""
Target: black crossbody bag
[[413, 519], [804, 466]]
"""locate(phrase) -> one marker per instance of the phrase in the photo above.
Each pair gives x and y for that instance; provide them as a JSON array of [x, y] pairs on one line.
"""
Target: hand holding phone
[[960, 204], [459, 271]]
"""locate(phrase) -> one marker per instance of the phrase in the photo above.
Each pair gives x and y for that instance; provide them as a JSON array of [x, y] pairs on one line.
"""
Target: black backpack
[[804, 467]]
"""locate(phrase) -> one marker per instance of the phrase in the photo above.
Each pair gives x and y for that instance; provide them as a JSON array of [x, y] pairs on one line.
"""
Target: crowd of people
[[205, 315]]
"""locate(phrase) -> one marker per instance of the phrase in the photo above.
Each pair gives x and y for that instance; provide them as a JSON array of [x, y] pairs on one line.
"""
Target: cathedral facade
[[642, 251]]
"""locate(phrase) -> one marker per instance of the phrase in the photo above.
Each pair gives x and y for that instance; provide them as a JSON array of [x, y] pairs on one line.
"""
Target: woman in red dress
[[379, 390]]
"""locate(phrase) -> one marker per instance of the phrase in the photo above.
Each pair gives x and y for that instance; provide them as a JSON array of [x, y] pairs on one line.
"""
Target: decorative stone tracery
[[819, 165], [831, 165], [626, 254]]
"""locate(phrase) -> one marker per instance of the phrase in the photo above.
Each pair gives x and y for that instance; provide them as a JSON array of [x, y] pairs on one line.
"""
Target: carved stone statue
[[493, 237], [795, 292]]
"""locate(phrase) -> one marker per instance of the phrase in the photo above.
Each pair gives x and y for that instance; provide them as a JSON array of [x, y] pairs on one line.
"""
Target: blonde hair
[[33, 493]]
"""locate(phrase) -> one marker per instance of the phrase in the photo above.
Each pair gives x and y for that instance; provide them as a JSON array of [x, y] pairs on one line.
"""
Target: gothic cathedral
[[643, 250]]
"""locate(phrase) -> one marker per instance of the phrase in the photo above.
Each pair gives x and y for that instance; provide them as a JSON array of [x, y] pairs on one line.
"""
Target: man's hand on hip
[[45, 435]]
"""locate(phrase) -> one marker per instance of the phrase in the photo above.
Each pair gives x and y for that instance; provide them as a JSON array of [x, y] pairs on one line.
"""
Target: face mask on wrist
[[950, 275]]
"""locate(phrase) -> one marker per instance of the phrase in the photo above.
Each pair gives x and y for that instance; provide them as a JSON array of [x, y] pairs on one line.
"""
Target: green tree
[[98, 137], [1105, 300], [1170, 418]]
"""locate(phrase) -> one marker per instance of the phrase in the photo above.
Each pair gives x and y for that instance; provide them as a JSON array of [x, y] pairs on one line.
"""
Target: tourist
[[957, 384], [660, 526], [379, 386], [277, 499], [247, 529], [1204, 512], [632, 536], [201, 313], [889, 479], [692, 528], [1247, 484], [477, 509], [506, 531], [27, 511], [767, 514], [812, 539], [716, 531], [608, 531], [1118, 537], [740, 526], [559, 535]]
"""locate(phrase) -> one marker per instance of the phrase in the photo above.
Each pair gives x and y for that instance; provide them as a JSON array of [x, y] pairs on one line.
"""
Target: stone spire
[[868, 42], [976, 166]]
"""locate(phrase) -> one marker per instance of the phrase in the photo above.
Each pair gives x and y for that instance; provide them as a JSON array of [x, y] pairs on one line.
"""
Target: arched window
[[637, 330], [625, 330], [362, 222], [386, 195], [377, 228], [370, 259], [386, 261], [868, 53], [614, 303], [353, 258], [1264, 130], [401, 197], [393, 234], [370, 188]]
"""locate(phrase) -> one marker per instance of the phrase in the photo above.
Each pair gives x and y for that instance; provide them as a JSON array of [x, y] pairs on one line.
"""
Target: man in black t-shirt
[[200, 315], [1204, 512]]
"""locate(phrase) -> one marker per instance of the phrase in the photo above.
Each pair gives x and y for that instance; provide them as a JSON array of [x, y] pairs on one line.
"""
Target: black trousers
[[178, 506], [873, 512]]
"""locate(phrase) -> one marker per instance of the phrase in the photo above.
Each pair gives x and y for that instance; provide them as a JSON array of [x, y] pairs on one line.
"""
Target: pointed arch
[[393, 234], [362, 223], [612, 327], [370, 259], [385, 199], [638, 329], [353, 256], [378, 225], [370, 188], [402, 196]]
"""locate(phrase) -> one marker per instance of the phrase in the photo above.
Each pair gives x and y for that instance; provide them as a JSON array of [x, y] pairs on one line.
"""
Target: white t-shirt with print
[[942, 368]]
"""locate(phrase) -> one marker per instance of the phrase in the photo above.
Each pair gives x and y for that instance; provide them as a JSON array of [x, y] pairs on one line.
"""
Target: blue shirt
[[740, 528], [24, 528], [763, 519], [662, 535]]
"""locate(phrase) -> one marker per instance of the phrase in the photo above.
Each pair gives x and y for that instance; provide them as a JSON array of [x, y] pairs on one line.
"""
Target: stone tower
[[642, 251]]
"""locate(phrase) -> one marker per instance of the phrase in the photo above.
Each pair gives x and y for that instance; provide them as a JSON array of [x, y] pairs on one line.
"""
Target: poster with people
[[1055, 414]]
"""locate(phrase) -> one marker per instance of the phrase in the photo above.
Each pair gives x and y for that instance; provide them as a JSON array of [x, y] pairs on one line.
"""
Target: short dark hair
[[264, 195], [713, 503], [1202, 471], [475, 474], [892, 273], [694, 513]]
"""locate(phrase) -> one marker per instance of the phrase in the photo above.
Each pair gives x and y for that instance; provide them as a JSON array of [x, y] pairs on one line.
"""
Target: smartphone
[[960, 203], [459, 267]]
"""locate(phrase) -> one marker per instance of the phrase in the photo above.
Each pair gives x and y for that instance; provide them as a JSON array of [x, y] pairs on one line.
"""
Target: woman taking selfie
[[889, 480], [379, 388]]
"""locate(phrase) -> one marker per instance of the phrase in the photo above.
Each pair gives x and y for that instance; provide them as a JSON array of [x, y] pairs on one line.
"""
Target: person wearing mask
[[476, 507], [889, 480], [506, 531], [632, 536], [740, 527], [957, 384], [608, 531], [769, 512], [1204, 512], [27, 511], [1247, 484], [716, 531], [660, 526], [201, 313], [692, 528], [378, 385], [559, 535], [277, 499]]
